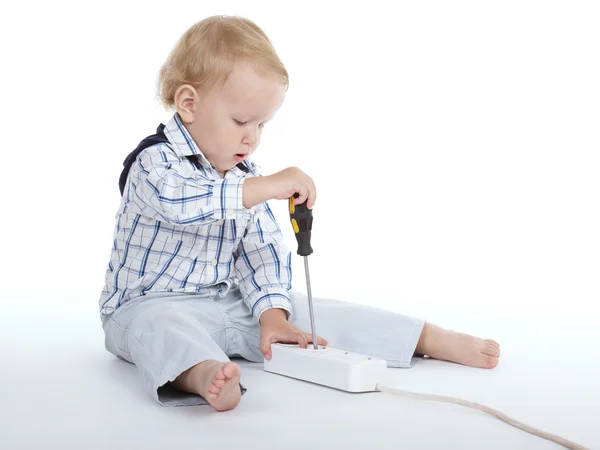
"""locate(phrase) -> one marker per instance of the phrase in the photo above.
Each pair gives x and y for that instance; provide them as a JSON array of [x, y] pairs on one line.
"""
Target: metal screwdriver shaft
[[301, 218], [310, 305]]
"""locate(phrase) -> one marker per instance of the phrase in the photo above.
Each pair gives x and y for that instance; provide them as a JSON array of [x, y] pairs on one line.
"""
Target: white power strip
[[327, 366]]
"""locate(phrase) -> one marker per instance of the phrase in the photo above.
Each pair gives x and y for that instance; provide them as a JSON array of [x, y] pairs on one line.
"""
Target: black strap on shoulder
[[158, 138], [243, 167]]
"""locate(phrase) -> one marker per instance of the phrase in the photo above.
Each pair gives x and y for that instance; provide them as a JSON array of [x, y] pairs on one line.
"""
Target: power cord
[[442, 398]]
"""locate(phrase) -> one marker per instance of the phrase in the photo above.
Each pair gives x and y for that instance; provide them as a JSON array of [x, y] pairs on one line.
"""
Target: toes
[[231, 370], [491, 362], [492, 352], [219, 383], [222, 377], [491, 348], [223, 393]]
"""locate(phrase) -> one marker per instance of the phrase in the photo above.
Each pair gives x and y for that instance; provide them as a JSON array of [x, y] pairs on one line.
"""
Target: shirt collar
[[182, 141]]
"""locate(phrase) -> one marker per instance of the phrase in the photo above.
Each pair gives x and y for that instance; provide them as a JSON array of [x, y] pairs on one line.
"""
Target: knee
[[115, 338]]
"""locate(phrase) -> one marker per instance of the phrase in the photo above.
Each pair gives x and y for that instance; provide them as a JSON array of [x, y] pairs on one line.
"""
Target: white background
[[455, 146]]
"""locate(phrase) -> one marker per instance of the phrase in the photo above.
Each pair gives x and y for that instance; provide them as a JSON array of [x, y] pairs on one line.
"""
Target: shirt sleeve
[[162, 188], [263, 265]]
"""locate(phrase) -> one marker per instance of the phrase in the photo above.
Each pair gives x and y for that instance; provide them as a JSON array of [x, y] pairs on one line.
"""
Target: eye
[[239, 122]]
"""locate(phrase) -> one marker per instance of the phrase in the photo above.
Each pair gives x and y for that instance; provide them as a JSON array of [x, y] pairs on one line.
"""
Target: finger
[[288, 194], [312, 196], [310, 202], [301, 339], [265, 347], [302, 195], [320, 340], [301, 191]]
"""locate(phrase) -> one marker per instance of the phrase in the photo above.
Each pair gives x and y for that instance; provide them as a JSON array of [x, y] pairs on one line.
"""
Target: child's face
[[226, 122]]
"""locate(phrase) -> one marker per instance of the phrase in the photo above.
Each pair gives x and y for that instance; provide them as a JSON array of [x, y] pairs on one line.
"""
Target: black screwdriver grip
[[301, 218]]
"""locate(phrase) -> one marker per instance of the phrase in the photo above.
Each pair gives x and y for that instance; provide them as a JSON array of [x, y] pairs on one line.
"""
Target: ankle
[[429, 338], [192, 379]]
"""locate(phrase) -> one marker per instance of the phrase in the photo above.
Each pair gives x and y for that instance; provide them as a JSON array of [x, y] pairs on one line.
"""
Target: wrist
[[256, 190], [273, 315]]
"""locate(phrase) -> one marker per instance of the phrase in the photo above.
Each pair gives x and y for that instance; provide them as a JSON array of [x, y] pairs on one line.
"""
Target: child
[[199, 271]]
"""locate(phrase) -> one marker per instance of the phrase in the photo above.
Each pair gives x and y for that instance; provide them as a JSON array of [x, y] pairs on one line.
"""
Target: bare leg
[[217, 382], [446, 345]]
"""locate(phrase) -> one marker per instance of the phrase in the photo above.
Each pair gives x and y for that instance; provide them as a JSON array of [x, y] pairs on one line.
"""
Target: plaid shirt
[[184, 229]]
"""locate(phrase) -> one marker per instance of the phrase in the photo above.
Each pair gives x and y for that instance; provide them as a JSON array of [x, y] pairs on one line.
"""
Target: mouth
[[239, 157]]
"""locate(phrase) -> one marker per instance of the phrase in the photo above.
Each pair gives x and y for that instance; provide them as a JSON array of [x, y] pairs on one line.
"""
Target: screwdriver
[[301, 218]]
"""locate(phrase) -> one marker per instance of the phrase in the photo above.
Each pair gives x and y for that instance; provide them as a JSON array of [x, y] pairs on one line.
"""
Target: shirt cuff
[[228, 199], [268, 299]]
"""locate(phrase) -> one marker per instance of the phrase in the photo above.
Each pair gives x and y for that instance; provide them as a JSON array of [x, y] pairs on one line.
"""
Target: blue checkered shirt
[[184, 229]]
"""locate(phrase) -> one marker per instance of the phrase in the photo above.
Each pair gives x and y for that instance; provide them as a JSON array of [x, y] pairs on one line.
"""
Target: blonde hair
[[208, 51]]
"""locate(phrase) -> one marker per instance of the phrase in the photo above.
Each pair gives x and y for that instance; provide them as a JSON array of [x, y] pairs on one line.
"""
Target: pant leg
[[360, 329], [164, 336], [243, 330]]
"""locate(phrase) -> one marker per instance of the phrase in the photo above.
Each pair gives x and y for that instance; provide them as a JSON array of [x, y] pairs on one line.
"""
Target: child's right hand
[[292, 180], [280, 186]]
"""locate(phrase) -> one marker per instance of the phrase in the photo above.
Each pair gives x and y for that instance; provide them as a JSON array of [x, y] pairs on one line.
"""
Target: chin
[[226, 168]]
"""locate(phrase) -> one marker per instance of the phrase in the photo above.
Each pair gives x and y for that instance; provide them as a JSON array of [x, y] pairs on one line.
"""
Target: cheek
[[225, 132], [235, 134]]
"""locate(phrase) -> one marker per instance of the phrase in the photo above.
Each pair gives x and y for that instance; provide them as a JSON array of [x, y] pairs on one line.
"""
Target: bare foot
[[217, 382], [446, 345]]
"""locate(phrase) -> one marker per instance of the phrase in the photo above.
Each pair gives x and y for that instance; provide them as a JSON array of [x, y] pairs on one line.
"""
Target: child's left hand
[[276, 328]]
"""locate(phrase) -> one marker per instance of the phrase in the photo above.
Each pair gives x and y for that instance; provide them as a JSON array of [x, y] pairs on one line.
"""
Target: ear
[[186, 102]]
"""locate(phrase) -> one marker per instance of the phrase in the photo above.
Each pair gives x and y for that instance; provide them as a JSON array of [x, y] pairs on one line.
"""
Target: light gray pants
[[164, 334]]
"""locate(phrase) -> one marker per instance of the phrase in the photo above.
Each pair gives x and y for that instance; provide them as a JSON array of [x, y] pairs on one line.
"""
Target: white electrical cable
[[442, 398]]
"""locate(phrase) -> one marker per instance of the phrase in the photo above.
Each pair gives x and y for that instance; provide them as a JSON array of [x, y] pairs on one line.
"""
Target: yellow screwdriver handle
[[301, 218]]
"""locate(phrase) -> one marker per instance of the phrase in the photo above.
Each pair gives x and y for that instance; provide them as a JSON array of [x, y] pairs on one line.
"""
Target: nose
[[251, 137]]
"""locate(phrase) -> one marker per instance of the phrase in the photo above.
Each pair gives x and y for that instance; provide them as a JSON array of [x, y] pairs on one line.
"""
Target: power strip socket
[[327, 366]]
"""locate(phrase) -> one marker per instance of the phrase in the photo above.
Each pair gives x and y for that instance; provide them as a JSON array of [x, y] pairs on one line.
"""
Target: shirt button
[[230, 213], [219, 222], [213, 262]]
